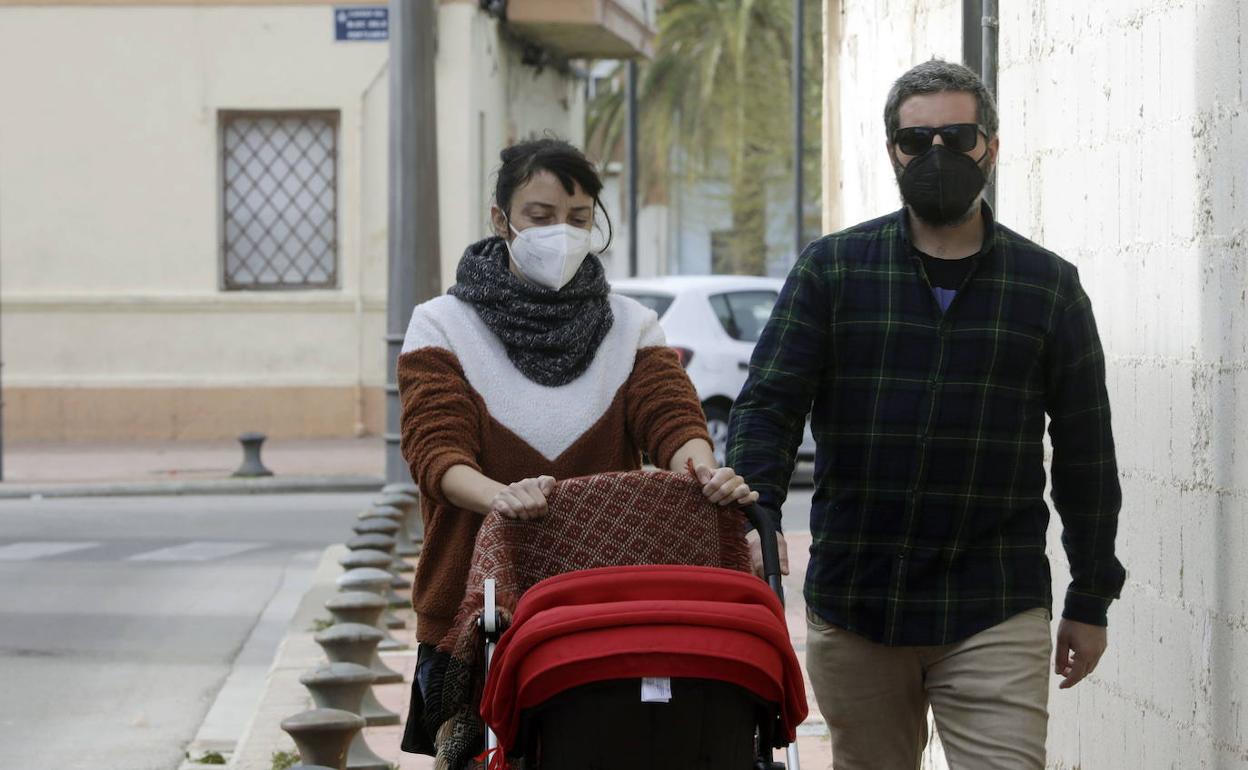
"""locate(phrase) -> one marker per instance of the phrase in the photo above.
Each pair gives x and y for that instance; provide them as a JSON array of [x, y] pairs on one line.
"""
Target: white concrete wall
[[1124, 148], [1124, 139]]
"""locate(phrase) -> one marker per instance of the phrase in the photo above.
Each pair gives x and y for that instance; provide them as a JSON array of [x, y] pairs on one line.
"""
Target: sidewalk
[[189, 467]]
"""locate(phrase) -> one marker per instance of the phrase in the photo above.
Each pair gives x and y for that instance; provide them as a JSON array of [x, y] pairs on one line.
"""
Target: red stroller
[[656, 666]]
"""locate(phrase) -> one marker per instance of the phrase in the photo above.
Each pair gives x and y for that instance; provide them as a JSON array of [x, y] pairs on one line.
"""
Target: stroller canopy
[[643, 621]]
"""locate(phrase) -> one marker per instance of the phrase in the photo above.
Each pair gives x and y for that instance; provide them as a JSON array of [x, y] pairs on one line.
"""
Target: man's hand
[[756, 552], [525, 499], [1079, 648]]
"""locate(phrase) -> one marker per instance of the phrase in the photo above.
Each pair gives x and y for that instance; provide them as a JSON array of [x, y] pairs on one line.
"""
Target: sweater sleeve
[[440, 420], [663, 410]]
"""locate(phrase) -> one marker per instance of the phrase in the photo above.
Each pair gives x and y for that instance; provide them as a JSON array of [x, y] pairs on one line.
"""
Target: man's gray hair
[[937, 76]]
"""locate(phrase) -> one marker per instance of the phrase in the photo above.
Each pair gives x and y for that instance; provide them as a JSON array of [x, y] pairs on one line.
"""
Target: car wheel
[[717, 426]]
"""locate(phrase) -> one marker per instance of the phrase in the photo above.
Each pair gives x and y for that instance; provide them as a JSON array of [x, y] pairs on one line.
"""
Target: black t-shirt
[[946, 273]]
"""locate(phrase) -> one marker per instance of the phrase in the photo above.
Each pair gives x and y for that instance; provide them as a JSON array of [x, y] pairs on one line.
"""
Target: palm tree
[[716, 104]]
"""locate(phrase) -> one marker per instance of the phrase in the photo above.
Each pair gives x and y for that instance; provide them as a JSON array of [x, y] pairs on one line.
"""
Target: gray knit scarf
[[551, 336]]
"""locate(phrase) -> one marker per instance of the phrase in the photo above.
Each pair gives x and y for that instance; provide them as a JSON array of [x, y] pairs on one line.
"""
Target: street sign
[[362, 23]]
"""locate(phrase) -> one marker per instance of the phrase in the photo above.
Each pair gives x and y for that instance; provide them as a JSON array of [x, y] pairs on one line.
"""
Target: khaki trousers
[[988, 695]]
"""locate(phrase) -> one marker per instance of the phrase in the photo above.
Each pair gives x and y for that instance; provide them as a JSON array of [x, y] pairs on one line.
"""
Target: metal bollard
[[252, 467], [342, 686], [323, 736], [413, 532], [357, 643]]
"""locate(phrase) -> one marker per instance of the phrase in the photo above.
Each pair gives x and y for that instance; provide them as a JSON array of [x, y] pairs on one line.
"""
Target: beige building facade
[[1124, 128], [193, 203]]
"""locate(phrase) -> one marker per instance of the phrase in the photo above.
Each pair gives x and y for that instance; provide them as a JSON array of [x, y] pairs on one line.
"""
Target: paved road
[[121, 618]]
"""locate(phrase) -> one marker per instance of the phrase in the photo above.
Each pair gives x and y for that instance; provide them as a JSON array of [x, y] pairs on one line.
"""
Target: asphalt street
[[122, 617]]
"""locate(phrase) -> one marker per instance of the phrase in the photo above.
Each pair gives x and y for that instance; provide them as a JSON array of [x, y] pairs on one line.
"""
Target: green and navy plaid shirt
[[928, 520]]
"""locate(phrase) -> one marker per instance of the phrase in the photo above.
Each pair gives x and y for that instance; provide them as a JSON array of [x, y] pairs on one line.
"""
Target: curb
[[260, 486]]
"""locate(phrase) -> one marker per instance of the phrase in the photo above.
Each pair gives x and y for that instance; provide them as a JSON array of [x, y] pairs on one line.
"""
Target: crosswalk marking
[[199, 550], [39, 549]]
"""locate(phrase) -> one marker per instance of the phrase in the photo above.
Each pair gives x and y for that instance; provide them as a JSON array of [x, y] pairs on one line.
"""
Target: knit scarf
[[610, 519], [551, 336]]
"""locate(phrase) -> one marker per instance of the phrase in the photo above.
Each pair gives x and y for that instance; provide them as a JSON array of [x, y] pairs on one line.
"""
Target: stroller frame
[[763, 522]]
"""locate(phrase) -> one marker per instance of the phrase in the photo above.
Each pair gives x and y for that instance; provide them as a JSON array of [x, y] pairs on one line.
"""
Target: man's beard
[[961, 219]]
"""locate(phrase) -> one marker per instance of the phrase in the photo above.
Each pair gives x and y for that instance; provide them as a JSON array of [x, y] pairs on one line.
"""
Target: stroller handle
[[766, 526]]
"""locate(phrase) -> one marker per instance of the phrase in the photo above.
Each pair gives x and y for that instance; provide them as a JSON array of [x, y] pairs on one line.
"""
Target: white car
[[713, 322]]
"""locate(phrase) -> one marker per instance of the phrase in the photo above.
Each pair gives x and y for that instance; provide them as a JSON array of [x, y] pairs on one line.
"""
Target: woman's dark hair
[[569, 165]]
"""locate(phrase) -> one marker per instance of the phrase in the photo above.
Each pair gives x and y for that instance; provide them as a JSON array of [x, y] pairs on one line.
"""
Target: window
[[279, 200], [743, 314], [659, 303]]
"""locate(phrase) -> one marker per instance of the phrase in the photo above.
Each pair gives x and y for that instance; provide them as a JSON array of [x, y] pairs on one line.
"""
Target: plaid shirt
[[928, 520]]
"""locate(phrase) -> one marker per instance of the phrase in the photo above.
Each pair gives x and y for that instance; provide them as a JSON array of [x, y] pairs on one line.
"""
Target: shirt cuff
[[1086, 608]]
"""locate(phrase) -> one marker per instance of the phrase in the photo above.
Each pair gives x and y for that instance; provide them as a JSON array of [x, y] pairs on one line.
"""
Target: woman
[[529, 371]]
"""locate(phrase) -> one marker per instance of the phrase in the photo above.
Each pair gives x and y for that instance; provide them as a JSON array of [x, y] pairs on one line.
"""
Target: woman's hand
[[524, 500], [724, 486]]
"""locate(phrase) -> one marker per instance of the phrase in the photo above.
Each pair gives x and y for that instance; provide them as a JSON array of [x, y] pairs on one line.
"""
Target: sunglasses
[[960, 137]]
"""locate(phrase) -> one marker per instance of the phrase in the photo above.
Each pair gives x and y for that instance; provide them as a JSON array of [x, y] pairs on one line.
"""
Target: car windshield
[[743, 313], [659, 303]]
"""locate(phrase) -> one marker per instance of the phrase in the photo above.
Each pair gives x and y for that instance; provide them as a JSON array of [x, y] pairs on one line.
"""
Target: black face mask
[[940, 185]]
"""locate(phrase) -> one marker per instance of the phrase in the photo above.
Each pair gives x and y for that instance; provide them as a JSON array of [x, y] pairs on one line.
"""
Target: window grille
[[279, 200]]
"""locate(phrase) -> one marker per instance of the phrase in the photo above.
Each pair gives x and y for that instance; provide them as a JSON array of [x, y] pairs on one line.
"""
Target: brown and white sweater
[[465, 403]]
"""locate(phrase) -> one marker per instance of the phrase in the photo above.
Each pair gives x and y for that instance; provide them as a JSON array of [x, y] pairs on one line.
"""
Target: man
[[931, 343]]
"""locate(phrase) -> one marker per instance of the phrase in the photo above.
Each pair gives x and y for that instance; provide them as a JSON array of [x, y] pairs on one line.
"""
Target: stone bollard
[[396, 564], [377, 525], [415, 522], [403, 488], [377, 583], [357, 643], [377, 560], [393, 514], [411, 537], [342, 686], [365, 557], [323, 736], [368, 559], [357, 607], [350, 602], [373, 542], [252, 467], [378, 543], [386, 591]]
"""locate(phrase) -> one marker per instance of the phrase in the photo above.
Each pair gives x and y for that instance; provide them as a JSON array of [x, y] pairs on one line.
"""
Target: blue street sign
[[362, 23]]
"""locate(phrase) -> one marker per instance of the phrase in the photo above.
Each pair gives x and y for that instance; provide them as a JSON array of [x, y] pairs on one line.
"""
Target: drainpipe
[[988, 72], [631, 141], [799, 194]]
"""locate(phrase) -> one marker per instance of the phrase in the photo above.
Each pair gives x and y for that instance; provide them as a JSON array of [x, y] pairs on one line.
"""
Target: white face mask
[[549, 256]]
